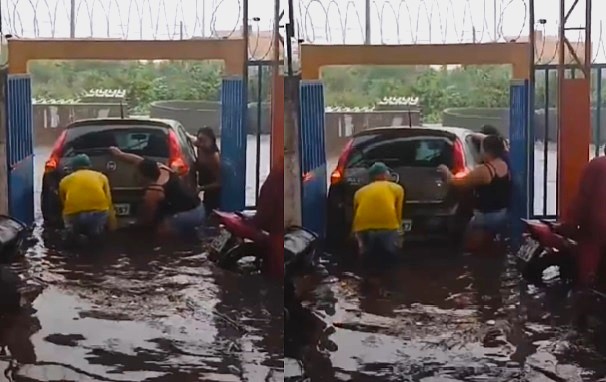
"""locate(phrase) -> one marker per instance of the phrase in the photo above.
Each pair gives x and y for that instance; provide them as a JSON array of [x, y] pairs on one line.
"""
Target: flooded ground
[[139, 310], [439, 317]]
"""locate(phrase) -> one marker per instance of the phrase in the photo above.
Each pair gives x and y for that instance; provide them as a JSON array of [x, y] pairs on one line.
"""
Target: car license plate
[[528, 249], [220, 241], [407, 225], [122, 209]]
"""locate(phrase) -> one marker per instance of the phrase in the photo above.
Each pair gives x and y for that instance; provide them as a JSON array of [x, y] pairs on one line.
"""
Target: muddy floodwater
[[139, 310], [441, 316]]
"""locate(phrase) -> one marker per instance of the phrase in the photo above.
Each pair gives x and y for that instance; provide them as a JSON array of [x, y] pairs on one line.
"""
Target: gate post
[[3, 137], [292, 163], [312, 154], [521, 146], [20, 148], [233, 144]]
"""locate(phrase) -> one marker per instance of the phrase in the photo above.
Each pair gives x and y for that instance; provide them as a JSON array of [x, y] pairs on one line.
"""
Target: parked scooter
[[237, 240], [544, 247], [301, 249], [12, 234]]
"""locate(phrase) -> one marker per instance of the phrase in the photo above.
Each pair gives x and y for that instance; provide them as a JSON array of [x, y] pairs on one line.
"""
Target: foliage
[[437, 89], [144, 82], [351, 86]]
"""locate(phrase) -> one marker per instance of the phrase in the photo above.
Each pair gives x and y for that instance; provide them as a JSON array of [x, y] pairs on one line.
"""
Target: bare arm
[[477, 177], [126, 157], [191, 137]]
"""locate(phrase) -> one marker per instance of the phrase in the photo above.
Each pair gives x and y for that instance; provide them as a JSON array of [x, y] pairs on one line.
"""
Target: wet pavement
[[136, 310], [139, 310], [440, 317]]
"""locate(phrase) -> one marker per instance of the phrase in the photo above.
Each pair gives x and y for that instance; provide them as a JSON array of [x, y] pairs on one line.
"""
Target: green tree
[[437, 89]]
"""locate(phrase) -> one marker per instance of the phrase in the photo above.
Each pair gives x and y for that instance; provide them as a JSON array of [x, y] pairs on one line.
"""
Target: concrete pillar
[[292, 172]]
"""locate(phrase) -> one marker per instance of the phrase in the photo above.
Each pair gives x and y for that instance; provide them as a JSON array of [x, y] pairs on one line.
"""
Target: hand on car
[[115, 151], [444, 170]]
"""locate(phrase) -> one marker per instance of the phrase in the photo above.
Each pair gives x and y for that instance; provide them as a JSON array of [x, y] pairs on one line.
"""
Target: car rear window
[[417, 151], [141, 140]]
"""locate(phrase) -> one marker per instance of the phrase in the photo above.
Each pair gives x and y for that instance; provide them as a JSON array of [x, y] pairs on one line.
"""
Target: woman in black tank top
[[491, 185], [209, 168]]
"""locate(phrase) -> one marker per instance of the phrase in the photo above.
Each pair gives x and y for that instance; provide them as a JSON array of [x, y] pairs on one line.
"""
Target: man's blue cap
[[378, 169], [81, 161]]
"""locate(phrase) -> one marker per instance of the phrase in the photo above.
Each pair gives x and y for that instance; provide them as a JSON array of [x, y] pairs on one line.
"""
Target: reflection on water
[[437, 317], [139, 310]]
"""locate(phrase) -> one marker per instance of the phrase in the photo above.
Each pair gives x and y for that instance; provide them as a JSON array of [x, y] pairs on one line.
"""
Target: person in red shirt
[[587, 218], [270, 218]]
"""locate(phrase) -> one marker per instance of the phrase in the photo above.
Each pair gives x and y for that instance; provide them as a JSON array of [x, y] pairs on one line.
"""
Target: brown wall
[[50, 120], [341, 125]]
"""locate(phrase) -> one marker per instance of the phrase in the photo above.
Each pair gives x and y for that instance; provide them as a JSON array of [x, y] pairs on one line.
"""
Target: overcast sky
[[321, 21], [439, 21], [133, 19]]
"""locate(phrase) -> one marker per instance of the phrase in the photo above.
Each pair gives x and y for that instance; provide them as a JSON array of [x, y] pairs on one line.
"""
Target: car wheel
[[51, 210], [337, 229], [231, 258]]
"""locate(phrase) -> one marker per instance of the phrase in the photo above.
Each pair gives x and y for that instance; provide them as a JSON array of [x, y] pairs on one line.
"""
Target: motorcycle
[[544, 247], [301, 248], [238, 239], [12, 235]]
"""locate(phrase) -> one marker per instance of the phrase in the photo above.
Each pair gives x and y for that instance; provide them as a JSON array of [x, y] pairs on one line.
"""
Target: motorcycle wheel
[[532, 271], [233, 255]]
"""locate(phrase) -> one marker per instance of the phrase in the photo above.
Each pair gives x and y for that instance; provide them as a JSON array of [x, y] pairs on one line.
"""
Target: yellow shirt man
[[378, 205], [85, 191]]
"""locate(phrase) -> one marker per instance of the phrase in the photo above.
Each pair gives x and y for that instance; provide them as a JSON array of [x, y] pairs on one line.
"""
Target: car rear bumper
[[426, 222]]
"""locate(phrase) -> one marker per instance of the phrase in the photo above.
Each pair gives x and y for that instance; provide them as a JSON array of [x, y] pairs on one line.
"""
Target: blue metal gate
[[312, 153], [233, 144], [544, 133], [520, 142], [20, 148]]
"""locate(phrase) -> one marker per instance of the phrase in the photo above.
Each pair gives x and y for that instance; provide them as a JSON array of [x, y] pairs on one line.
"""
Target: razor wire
[[138, 19], [440, 22]]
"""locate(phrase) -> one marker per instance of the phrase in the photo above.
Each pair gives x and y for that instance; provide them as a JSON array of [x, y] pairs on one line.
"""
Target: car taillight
[[176, 160], [337, 175], [53, 161], [458, 163]]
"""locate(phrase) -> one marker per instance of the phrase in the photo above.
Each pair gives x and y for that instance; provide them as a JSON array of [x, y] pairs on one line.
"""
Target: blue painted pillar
[[312, 154], [520, 153], [233, 144], [20, 148]]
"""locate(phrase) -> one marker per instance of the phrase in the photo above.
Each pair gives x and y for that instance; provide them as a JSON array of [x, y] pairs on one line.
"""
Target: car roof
[[165, 123], [458, 131]]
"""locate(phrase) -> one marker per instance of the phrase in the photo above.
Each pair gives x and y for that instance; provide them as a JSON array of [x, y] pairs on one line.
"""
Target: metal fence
[[259, 89], [544, 131]]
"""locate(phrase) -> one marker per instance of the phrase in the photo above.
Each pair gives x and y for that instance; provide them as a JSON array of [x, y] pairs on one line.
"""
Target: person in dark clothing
[[491, 182], [209, 168], [168, 206], [586, 220], [489, 130], [270, 218]]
